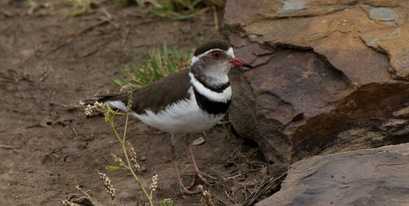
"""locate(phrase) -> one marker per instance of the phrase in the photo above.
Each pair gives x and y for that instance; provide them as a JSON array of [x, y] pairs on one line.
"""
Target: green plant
[[128, 151], [78, 7], [166, 202], [109, 117], [182, 9], [161, 62], [31, 3]]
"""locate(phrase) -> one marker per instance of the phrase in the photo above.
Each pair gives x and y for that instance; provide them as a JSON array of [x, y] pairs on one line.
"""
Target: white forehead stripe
[[230, 52], [196, 58]]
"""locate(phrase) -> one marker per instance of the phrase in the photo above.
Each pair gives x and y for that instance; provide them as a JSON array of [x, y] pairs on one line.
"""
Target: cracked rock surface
[[331, 80], [330, 76]]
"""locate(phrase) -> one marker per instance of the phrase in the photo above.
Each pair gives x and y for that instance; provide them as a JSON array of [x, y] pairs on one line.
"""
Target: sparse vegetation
[[128, 151], [109, 117], [50, 61], [174, 9], [183, 9], [166, 202], [79, 7], [161, 62]]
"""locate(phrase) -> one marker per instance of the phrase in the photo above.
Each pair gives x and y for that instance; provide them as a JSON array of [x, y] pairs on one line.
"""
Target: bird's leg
[[198, 173], [183, 189]]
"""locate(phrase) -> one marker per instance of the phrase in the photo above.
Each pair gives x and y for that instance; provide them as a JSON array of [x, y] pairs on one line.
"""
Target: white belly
[[180, 118]]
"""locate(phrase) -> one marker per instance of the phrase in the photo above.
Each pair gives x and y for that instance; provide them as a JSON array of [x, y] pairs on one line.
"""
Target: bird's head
[[213, 60]]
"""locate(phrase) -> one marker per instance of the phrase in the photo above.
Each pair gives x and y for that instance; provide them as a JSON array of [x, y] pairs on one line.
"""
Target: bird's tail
[[113, 100], [90, 101], [104, 98]]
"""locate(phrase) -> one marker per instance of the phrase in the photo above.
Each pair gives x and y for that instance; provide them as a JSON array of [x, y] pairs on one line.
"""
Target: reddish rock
[[330, 76]]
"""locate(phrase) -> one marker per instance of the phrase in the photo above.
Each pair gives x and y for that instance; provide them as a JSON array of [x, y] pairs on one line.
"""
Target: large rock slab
[[330, 76], [364, 177]]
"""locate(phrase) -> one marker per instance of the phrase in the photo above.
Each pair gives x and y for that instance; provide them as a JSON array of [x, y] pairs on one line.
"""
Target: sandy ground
[[49, 61]]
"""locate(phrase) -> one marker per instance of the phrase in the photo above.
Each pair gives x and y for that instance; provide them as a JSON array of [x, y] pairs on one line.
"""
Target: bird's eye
[[217, 55]]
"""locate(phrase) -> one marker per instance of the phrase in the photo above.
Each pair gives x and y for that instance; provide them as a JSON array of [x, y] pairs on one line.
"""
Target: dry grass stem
[[107, 183], [96, 109], [206, 199], [154, 183], [132, 156], [68, 203]]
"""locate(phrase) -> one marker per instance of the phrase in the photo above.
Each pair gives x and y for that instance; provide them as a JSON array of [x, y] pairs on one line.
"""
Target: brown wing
[[155, 96], [158, 95]]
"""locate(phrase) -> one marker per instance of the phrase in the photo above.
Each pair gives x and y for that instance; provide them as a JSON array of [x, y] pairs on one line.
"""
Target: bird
[[191, 101]]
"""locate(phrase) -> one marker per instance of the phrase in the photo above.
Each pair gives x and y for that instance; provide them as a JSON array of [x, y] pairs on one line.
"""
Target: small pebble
[[198, 141]]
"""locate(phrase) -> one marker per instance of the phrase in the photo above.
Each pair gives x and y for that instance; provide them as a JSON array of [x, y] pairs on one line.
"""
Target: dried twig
[[267, 184], [3, 146]]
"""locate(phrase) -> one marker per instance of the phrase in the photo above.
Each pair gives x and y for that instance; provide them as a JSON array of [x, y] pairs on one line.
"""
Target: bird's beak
[[239, 63]]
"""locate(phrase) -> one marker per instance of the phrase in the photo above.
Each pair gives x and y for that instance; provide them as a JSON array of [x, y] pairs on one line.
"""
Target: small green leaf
[[119, 82], [112, 168], [166, 202]]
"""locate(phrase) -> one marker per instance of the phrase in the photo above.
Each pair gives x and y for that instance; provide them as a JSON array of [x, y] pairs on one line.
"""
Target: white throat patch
[[224, 96]]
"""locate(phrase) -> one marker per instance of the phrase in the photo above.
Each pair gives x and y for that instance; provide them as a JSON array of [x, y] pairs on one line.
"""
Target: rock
[[330, 76], [363, 177]]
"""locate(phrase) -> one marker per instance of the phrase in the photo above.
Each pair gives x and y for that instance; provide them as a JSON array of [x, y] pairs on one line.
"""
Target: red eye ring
[[217, 55]]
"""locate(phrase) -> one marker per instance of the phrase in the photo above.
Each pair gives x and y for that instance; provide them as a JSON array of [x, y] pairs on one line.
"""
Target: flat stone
[[363, 177], [382, 14]]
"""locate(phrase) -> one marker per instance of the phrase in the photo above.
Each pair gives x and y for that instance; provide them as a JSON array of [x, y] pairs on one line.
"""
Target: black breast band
[[209, 106]]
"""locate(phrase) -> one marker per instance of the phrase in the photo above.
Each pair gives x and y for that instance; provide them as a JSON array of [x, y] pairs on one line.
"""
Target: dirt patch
[[49, 61]]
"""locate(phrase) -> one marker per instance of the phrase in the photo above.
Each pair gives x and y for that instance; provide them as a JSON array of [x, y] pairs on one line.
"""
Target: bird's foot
[[187, 191], [202, 177]]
